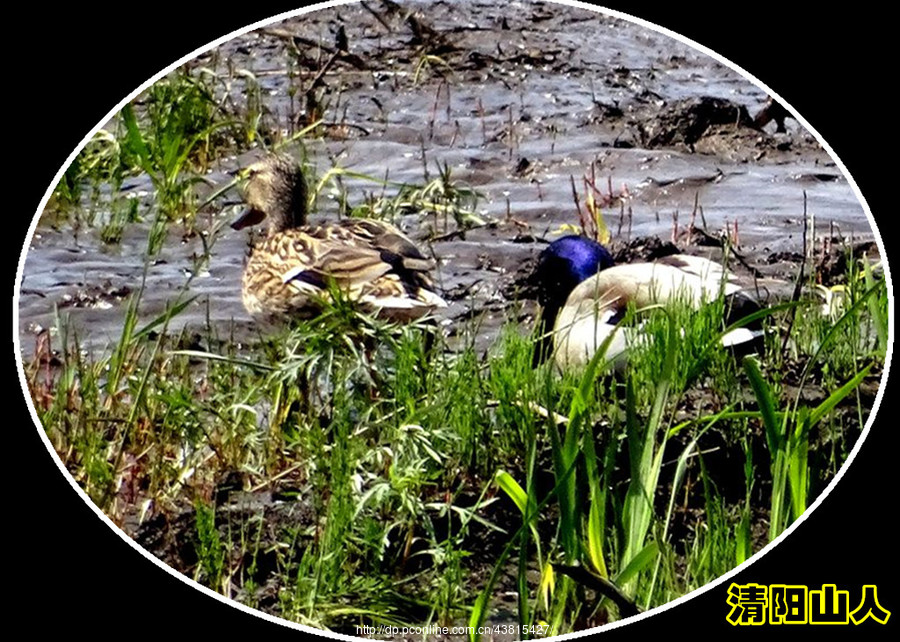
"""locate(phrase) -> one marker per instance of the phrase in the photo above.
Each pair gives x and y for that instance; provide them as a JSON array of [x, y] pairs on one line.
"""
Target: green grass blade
[[165, 317], [647, 462], [766, 402], [637, 564], [879, 318], [798, 463], [512, 488], [837, 396], [211, 356], [135, 140], [479, 608], [716, 339], [848, 316], [596, 518]]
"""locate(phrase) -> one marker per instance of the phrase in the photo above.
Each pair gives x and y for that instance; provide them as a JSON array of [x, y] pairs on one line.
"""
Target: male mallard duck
[[583, 296], [289, 273]]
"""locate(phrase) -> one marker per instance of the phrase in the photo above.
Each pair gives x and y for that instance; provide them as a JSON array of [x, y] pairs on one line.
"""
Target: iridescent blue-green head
[[561, 266], [564, 264]]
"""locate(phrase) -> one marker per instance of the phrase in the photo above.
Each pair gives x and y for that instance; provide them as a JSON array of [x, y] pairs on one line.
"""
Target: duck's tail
[[747, 338], [741, 336], [405, 308]]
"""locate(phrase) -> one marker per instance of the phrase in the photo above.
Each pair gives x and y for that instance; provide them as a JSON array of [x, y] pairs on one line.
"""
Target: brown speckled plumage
[[291, 271]]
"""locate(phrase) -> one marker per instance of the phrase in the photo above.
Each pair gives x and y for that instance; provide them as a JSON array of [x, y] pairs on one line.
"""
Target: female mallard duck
[[290, 272], [583, 296]]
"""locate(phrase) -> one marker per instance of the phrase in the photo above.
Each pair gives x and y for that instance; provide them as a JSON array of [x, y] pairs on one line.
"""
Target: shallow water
[[536, 83]]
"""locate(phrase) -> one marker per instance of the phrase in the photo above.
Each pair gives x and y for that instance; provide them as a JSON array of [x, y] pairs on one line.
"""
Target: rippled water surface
[[535, 98]]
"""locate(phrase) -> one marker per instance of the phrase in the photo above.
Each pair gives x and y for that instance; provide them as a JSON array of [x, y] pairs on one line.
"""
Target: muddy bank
[[518, 105]]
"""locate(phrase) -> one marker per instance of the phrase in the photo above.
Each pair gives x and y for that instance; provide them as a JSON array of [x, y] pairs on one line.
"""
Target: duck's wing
[[691, 279], [391, 242], [291, 269], [351, 267]]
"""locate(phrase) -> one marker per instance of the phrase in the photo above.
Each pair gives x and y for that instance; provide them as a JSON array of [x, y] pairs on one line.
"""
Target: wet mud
[[522, 106]]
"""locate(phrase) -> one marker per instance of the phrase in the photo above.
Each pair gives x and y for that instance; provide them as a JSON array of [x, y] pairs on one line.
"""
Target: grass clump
[[439, 201], [169, 136], [350, 471]]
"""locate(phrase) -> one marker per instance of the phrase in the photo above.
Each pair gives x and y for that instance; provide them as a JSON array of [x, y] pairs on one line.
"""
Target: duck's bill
[[247, 218]]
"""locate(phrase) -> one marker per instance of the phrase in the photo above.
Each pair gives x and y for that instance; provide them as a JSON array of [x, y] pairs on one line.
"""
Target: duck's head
[[564, 264], [275, 191], [561, 266]]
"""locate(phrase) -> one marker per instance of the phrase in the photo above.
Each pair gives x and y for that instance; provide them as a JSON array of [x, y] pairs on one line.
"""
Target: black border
[[66, 67]]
